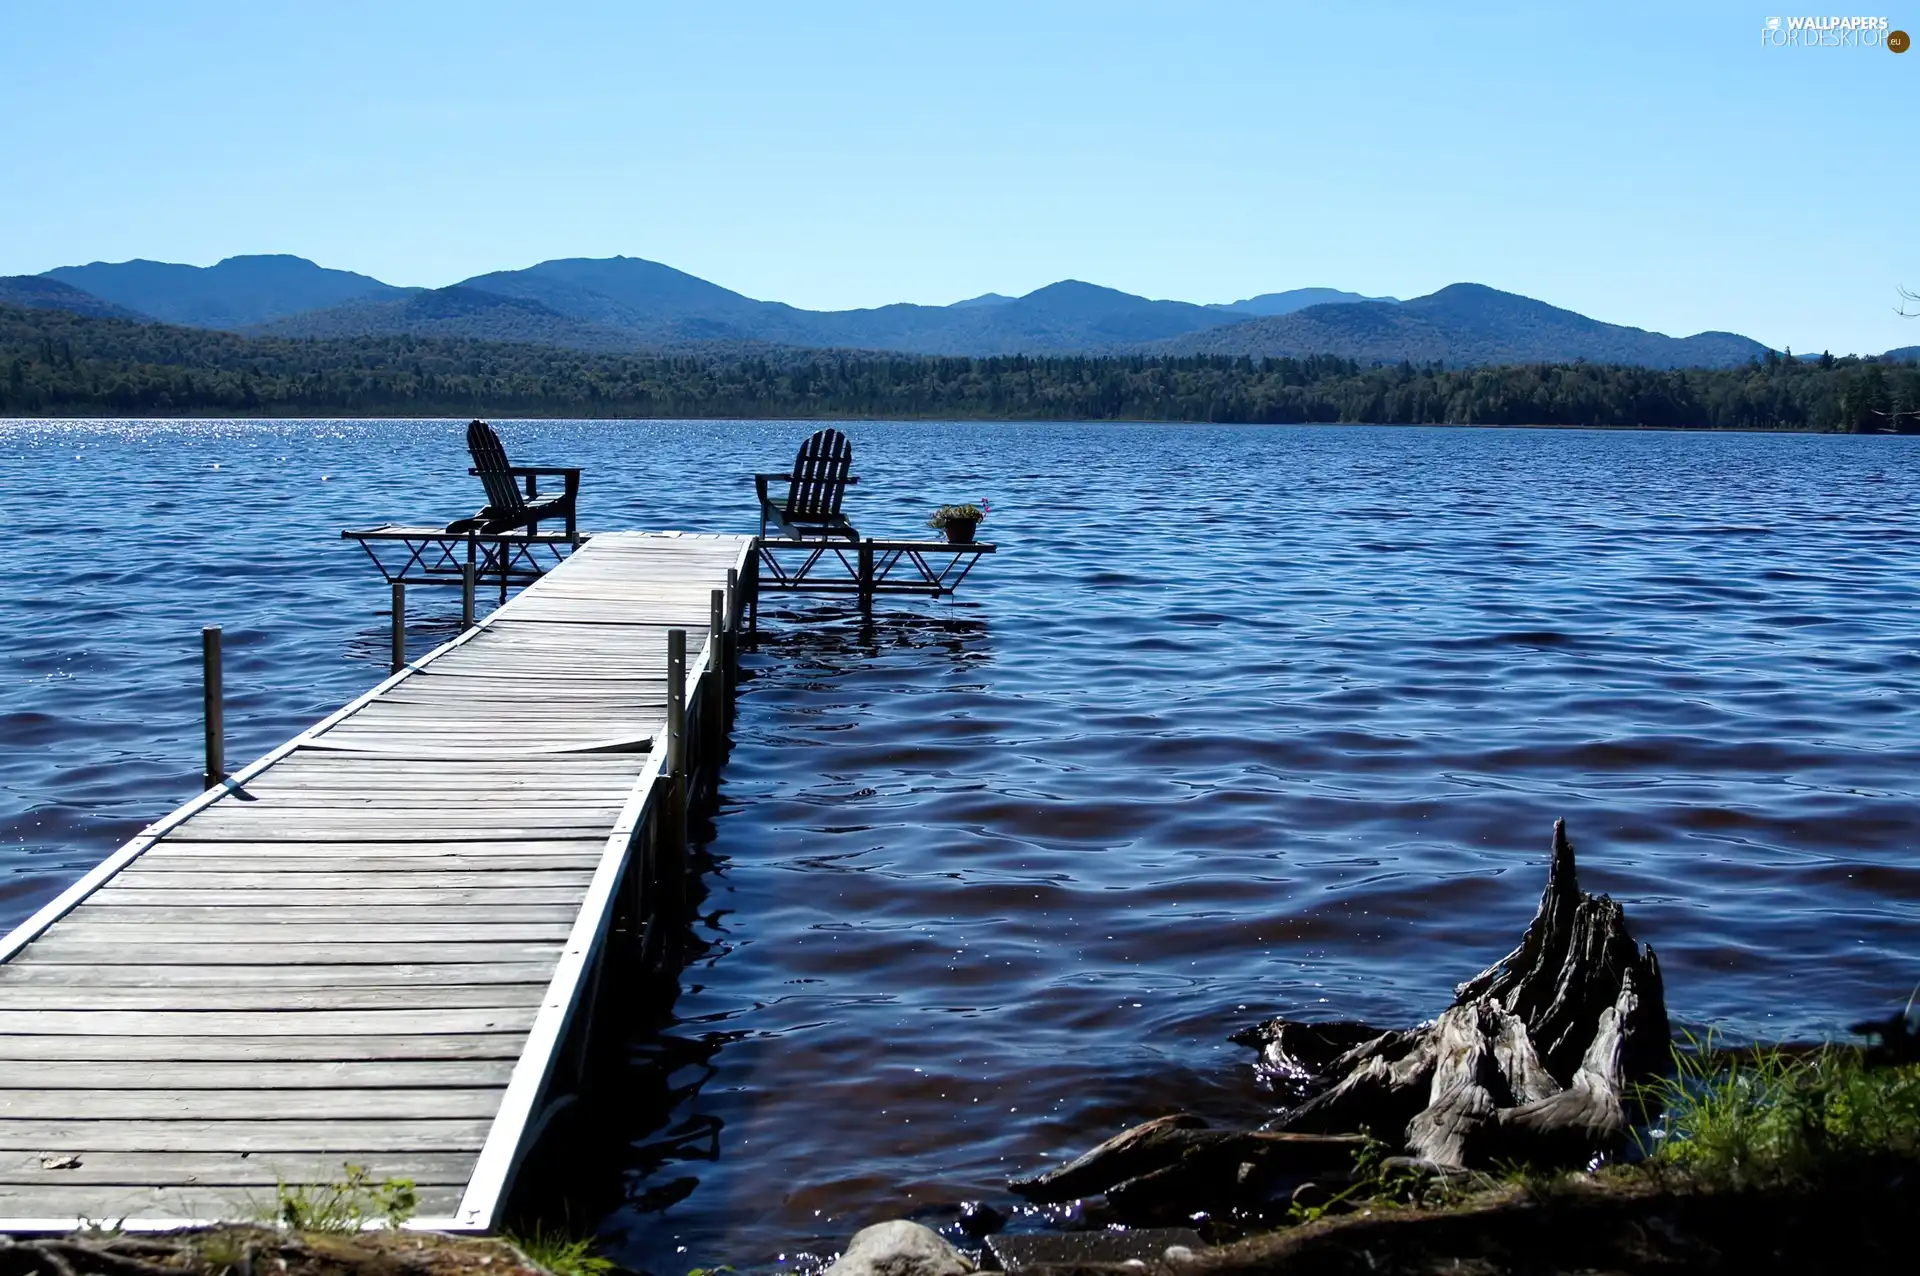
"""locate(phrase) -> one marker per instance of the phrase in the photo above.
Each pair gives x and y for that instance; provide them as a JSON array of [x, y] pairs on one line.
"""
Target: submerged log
[[1172, 1157], [1535, 1060], [1140, 1150]]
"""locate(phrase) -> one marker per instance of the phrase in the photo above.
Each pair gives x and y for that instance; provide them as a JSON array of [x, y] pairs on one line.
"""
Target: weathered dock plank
[[250, 1104], [269, 952], [167, 995], [338, 1074], [137, 1168], [337, 1134], [236, 1048], [369, 947]]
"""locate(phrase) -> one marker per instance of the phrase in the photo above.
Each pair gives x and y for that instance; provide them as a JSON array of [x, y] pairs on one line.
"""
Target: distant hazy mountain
[[43, 293], [1062, 318], [453, 312], [1903, 354], [641, 296], [1086, 315], [236, 293], [1465, 324], [984, 299], [1285, 303], [656, 302]]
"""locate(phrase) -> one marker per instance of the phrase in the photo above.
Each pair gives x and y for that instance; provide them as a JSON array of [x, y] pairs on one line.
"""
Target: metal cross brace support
[[867, 567], [429, 556], [941, 580]]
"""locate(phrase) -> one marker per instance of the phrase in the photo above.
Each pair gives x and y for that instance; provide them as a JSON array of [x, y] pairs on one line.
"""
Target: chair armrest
[[784, 477], [760, 482], [535, 469]]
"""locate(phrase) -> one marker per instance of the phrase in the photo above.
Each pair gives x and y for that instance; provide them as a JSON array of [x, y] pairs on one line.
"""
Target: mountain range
[[596, 304], [1465, 324], [628, 303]]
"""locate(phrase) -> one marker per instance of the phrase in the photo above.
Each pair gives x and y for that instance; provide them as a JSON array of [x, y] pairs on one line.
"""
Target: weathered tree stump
[[1536, 1058], [1535, 1061]]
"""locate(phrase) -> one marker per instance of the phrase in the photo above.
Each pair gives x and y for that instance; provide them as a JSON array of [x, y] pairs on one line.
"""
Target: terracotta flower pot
[[960, 531]]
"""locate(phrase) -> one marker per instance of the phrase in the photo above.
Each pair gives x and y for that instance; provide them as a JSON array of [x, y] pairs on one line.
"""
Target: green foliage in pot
[[956, 514]]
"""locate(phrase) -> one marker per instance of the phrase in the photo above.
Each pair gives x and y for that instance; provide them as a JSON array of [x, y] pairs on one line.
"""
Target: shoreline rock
[[899, 1248]]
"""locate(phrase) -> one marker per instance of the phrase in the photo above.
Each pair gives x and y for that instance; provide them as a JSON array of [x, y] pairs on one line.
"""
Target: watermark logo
[[1858, 32]]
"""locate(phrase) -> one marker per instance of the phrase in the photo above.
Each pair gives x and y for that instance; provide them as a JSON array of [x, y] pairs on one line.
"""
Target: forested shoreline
[[53, 363]]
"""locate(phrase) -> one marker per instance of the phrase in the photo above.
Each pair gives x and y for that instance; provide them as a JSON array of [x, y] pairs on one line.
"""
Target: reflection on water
[[1239, 721]]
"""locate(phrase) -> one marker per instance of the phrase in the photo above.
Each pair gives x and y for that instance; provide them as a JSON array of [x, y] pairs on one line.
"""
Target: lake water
[[1239, 721]]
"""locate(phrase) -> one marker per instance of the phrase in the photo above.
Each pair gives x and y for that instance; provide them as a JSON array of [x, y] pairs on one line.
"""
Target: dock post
[[674, 818], [399, 627], [730, 641], [733, 623], [753, 596], [212, 702], [714, 729], [676, 701], [866, 575], [466, 596]]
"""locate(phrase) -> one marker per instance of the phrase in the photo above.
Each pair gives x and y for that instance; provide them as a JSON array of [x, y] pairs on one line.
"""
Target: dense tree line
[[54, 363]]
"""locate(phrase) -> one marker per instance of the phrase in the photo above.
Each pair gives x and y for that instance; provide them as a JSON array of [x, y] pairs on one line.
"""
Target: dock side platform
[[373, 946]]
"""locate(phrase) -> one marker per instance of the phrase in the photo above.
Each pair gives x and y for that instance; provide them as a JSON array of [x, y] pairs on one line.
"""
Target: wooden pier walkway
[[375, 946]]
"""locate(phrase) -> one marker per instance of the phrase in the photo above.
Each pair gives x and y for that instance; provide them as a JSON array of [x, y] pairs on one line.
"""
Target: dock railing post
[[866, 575], [733, 623], [715, 727], [674, 818], [466, 596], [212, 700], [753, 596], [399, 627]]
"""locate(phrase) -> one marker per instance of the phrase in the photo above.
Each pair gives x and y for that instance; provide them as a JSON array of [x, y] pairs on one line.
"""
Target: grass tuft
[[1381, 1180], [561, 1254], [345, 1205], [1769, 1116]]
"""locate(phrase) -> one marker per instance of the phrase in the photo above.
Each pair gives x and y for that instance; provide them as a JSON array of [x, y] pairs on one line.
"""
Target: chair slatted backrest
[[820, 476], [490, 459]]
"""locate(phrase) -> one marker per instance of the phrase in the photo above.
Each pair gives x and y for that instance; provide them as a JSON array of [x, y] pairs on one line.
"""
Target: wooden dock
[[379, 944]]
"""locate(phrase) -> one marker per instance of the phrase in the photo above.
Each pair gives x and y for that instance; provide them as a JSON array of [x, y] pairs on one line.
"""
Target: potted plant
[[958, 521]]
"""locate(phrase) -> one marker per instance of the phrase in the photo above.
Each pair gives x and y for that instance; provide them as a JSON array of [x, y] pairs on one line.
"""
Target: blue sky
[[1646, 168]]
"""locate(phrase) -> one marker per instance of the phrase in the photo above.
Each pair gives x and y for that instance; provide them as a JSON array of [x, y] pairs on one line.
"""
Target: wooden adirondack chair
[[507, 508], [819, 479]]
